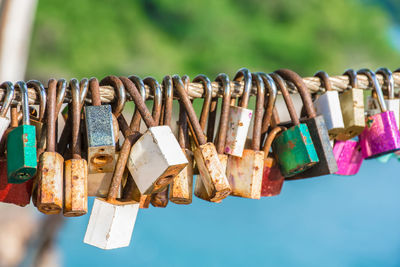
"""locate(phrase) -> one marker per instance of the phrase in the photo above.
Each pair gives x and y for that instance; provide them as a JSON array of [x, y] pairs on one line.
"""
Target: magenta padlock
[[381, 134], [348, 157]]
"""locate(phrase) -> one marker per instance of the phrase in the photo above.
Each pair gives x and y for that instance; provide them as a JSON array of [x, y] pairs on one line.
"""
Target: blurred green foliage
[[77, 38]]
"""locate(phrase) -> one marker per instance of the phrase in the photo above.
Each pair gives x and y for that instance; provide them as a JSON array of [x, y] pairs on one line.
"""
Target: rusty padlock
[[4, 121], [99, 133], [239, 118], [112, 221], [180, 191], [328, 105], [245, 173], [156, 158], [318, 131], [76, 169], [210, 168], [199, 189], [18, 194], [352, 106], [51, 164]]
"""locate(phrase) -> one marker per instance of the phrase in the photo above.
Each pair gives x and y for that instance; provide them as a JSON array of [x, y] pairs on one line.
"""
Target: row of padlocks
[[59, 170]]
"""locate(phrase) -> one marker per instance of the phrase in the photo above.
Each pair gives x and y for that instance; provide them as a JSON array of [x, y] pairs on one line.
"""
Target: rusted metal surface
[[180, 190], [223, 122], [205, 111], [160, 199], [75, 188], [269, 104]]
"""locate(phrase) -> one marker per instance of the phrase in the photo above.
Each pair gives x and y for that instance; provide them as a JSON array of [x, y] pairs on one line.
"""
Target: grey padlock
[[99, 133]]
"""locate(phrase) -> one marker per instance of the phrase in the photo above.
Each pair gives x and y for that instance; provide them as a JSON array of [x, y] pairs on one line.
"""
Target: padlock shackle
[[157, 95], [375, 86], [183, 137], [269, 103], [224, 117], [352, 74], [116, 83], [51, 115], [169, 99], [76, 119], [84, 88], [275, 118], [8, 97], [324, 79], [201, 78], [94, 88], [137, 118], [61, 92], [38, 86], [184, 98], [270, 138], [388, 80], [286, 96], [245, 75], [25, 102], [138, 99], [293, 77], [14, 117], [256, 140]]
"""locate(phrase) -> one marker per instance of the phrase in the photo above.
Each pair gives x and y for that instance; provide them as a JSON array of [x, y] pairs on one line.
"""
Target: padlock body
[[18, 194], [21, 154], [199, 188], [394, 105], [111, 224], [100, 138], [352, 106], [180, 190], [238, 126], [328, 105], [380, 136], [155, 159], [273, 179], [50, 183], [99, 183], [4, 123], [294, 150], [75, 191], [212, 172], [245, 174], [348, 157], [320, 138]]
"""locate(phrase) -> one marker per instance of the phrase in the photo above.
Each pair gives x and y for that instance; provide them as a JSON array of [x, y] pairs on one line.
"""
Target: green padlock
[[293, 148], [21, 145]]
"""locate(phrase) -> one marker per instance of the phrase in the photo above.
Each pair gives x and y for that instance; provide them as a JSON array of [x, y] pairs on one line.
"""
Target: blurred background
[[326, 221]]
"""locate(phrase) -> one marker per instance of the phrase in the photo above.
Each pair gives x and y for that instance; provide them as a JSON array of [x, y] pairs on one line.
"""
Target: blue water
[[327, 221]]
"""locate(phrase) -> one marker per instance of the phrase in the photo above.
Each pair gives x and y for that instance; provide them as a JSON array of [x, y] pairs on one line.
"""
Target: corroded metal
[[180, 190]]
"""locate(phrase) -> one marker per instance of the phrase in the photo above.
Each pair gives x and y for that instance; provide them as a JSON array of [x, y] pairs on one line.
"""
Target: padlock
[[392, 103], [180, 190], [200, 190], [131, 192], [328, 105], [38, 121], [293, 148], [99, 133], [273, 179], [156, 158], [381, 134], [49, 199], [159, 199], [245, 174], [348, 157], [4, 121], [76, 169], [239, 117], [21, 145], [352, 106], [210, 168], [317, 129], [18, 194], [111, 221]]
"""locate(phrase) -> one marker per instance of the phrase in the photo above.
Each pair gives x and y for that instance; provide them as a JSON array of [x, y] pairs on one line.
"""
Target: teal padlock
[[21, 145], [293, 148]]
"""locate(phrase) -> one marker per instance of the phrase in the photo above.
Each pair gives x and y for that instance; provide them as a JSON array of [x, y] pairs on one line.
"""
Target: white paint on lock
[[394, 105], [4, 123], [111, 225], [156, 154], [328, 105], [238, 126]]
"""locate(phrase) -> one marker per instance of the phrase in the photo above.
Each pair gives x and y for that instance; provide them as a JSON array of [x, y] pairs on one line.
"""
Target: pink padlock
[[348, 157], [381, 134]]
